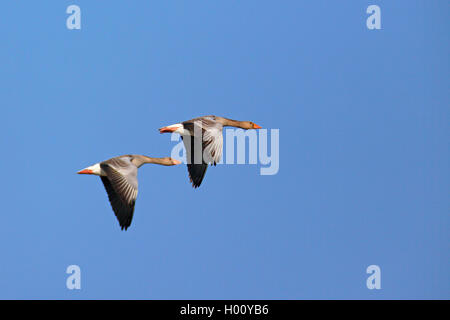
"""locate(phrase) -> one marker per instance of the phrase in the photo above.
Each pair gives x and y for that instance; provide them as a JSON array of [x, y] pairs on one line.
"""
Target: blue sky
[[364, 159]]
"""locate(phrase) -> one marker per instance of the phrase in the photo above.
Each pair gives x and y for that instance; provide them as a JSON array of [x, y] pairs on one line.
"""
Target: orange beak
[[176, 161], [85, 171], [255, 126]]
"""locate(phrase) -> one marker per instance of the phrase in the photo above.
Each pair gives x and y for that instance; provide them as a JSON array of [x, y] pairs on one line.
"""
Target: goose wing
[[207, 133], [122, 187]]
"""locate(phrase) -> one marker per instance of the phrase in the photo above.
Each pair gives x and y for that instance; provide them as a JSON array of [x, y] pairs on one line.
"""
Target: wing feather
[[211, 142], [122, 192]]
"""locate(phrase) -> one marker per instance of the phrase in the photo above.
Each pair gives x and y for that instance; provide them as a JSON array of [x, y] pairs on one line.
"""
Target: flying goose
[[205, 132], [119, 176]]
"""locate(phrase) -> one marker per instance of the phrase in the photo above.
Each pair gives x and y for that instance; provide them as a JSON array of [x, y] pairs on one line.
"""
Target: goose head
[[249, 125]]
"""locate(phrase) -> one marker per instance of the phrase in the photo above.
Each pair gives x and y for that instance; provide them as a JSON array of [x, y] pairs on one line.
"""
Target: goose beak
[[255, 126], [85, 171], [175, 162]]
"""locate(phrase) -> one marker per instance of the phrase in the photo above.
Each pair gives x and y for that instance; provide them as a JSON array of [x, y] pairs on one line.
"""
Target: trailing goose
[[119, 176]]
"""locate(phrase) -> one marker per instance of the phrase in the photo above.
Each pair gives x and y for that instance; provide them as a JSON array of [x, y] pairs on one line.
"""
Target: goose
[[206, 132], [119, 176]]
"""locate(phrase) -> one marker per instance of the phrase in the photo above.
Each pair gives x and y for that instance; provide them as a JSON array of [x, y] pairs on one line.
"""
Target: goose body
[[203, 140], [119, 177]]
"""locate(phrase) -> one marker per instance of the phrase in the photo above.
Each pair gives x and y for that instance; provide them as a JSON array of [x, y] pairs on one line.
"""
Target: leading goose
[[119, 176], [205, 132]]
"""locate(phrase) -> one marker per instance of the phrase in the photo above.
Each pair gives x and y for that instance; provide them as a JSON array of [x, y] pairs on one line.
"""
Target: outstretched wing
[[121, 185], [196, 168], [203, 147]]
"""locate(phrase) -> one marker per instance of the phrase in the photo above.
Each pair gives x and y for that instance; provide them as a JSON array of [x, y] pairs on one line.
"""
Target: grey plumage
[[206, 137], [203, 140], [119, 177], [121, 184]]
